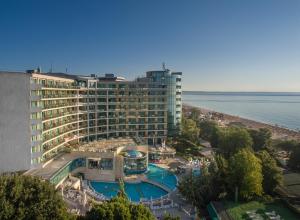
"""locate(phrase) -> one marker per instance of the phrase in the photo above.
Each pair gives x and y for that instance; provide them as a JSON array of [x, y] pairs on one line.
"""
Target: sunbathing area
[[105, 145]]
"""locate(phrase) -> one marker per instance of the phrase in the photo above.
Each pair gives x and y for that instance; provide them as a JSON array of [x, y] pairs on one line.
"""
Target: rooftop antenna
[[51, 68], [164, 66], [66, 69]]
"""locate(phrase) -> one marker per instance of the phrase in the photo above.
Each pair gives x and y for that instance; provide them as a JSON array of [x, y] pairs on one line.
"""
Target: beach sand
[[226, 119]]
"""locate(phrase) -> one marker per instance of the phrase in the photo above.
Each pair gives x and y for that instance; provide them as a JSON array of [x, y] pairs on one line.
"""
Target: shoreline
[[278, 132]]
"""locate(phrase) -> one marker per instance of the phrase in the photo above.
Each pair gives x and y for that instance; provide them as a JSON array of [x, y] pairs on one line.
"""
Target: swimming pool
[[161, 176], [137, 191]]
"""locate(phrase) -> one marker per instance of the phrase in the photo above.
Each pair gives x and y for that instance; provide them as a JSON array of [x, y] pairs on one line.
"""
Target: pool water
[[135, 191], [161, 176]]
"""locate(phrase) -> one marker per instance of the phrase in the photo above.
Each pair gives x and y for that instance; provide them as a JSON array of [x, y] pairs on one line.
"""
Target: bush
[[27, 197]]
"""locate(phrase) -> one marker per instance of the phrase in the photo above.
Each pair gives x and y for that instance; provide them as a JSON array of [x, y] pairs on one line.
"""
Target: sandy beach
[[226, 119]]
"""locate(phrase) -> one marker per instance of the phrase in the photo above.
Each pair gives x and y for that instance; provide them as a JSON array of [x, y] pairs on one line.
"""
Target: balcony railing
[[56, 115], [54, 125]]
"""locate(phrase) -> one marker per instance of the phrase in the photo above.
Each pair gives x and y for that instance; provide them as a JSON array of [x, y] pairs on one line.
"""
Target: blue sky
[[233, 45]]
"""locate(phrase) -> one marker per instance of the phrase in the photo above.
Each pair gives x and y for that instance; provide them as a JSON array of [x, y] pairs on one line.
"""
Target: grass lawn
[[238, 211], [291, 182]]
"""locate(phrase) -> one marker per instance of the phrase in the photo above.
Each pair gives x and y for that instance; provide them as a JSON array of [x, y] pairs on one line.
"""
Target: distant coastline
[[275, 108], [278, 132]]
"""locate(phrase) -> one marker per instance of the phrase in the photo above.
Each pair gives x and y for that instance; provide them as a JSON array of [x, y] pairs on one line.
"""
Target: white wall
[[15, 149]]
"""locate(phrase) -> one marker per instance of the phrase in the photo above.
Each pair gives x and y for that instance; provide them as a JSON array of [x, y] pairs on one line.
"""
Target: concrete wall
[[15, 137]]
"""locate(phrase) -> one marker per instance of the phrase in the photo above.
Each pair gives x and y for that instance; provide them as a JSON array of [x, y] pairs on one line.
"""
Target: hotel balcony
[[57, 124], [55, 105], [58, 115], [59, 86], [52, 135]]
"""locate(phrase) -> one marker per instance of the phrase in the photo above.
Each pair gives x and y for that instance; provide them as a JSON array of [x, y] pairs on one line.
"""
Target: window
[[35, 137], [36, 127], [36, 115], [34, 161], [35, 149], [34, 80]]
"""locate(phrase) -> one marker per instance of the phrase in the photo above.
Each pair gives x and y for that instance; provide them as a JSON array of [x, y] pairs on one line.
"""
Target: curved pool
[[142, 190], [135, 191], [161, 176]]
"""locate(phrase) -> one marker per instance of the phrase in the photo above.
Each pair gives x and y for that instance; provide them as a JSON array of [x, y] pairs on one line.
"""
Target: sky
[[232, 45]]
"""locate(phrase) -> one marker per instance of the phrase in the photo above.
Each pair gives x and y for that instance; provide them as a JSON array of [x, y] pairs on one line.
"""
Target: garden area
[[239, 210]]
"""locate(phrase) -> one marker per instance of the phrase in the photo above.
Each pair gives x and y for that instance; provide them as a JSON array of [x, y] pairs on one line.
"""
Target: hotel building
[[43, 114]]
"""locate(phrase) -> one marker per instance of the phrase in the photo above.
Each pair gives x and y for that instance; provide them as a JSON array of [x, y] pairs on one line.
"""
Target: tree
[[261, 139], [119, 208], [287, 145], [207, 128], [272, 174], [232, 139], [202, 189], [140, 212], [195, 113], [190, 130], [27, 197], [215, 136], [245, 174], [294, 161]]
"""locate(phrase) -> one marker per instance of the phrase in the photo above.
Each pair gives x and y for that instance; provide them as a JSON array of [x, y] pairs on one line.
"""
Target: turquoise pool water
[[162, 176], [136, 191]]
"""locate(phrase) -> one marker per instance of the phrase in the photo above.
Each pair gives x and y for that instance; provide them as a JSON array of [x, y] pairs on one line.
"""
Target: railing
[[60, 105], [52, 116], [62, 173], [60, 86], [56, 125]]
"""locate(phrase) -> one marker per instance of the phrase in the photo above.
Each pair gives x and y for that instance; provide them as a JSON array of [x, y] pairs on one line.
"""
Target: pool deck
[[182, 211], [59, 162]]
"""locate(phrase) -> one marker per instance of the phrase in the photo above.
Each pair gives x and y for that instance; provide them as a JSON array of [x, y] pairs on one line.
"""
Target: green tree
[[294, 161], [140, 212], [232, 139], [207, 128], [245, 175], [27, 197], [287, 145], [215, 137], [190, 130], [119, 208], [272, 174], [195, 113], [200, 190], [261, 139]]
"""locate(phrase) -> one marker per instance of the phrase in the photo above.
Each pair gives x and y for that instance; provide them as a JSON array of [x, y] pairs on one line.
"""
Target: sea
[[276, 108]]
